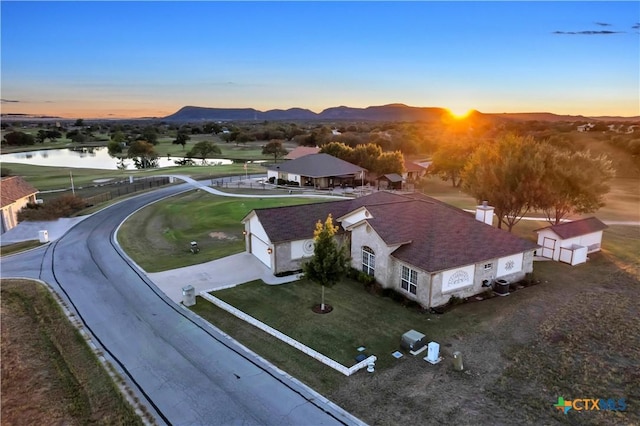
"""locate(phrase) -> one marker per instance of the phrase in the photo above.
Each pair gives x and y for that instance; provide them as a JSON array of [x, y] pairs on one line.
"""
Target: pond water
[[90, 158]]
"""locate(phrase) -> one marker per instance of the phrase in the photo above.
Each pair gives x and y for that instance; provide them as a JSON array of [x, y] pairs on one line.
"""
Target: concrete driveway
[[217, 274]]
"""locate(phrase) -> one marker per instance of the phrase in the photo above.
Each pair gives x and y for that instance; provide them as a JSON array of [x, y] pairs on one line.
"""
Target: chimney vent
[[484, 213]]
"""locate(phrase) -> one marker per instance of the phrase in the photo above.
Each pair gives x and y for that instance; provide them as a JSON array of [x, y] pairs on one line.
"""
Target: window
[[488, 266], [409, 280], [368, 261]]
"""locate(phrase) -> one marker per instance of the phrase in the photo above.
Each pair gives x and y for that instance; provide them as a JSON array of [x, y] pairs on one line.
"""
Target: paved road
[[188, 373]]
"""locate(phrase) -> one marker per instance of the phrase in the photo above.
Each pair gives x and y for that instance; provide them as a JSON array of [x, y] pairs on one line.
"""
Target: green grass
[[358, 318], [170, 225], [47, 178], [18, 247], [79, 385]]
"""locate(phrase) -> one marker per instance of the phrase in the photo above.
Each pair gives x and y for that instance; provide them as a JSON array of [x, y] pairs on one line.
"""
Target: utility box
[[188, 295], [457, 361], [44, 236], [412, 340]]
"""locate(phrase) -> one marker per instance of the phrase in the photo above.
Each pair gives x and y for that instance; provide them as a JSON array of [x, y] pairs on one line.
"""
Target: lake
[[88, 158]]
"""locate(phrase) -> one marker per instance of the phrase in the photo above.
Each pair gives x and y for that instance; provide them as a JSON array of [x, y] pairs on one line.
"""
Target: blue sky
[[117, 59]]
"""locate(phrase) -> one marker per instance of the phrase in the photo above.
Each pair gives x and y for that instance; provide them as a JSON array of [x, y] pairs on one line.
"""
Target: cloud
[[636, 26], [603, 32], [602, 24], [7, 100]]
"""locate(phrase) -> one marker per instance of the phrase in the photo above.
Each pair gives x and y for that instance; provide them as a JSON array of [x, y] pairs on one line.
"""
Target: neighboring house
[[15, 193], [317, 170], [301, 151], [413, 170], [412, 243], [570, 242], [586, 127], [390, 181]]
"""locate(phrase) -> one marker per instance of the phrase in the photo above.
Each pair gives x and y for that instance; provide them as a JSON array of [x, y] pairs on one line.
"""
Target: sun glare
[[459, 113]]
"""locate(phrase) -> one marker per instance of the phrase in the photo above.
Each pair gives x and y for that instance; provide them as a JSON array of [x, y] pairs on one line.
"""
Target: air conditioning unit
[[412, 340]]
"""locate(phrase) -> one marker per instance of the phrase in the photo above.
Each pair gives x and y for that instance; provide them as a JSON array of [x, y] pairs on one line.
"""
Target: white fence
[[347, 371]]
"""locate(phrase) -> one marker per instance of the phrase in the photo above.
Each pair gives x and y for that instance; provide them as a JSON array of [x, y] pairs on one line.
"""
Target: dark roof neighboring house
[[432, 235], [301, 151], [317, 165], [391, 177], [576, 227], [13, 188]]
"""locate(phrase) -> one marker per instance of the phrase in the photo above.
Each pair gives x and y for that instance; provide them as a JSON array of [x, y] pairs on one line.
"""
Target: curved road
[[186, 372]]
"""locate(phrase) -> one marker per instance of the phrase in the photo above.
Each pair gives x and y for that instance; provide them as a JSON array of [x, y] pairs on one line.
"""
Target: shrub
[[64, 206], [455, 300], [272, 179]]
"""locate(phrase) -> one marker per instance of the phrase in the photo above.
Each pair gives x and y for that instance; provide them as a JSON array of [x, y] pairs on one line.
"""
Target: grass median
[[49, 373]]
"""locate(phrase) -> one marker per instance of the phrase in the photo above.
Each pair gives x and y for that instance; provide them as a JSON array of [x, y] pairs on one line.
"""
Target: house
[[570, 242], [15, 193], [424, 248], [414, 170], [586, 127], [317, 170], [390, 181], [301, 151]]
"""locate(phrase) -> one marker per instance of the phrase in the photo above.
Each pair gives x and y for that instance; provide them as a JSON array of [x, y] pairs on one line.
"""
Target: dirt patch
[[318, 308], [222, 236]]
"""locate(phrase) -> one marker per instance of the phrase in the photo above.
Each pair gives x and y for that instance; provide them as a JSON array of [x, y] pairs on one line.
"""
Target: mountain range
[[391, 112]]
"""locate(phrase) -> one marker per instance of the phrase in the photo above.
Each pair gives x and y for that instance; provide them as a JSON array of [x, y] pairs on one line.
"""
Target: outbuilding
[[571, 242]]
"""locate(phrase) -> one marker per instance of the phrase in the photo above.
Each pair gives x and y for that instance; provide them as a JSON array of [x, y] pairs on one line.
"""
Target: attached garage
[[260, 249]]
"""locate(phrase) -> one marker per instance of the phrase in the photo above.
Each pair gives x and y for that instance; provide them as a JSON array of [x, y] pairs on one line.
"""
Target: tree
[[508, 173], [450, 158], [275, 148], [330, 261], [573, 182], [203, 150], [114, 148], [338, 150], [181, 139], [150, 134], [79, 122], [144, 154], [19, 138], [390, 162]]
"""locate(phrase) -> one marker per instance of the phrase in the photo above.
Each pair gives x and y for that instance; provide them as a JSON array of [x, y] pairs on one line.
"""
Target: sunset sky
[[135, 59]]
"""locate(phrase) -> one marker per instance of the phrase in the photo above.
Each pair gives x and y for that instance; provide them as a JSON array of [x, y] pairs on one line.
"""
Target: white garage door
[[259, 250]]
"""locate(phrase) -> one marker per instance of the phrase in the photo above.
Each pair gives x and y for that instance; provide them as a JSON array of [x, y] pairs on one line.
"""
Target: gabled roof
[[442, 236], [412, 166], [576, 228], [434, 236], [301, 151], [13, 188], [317, 165], [290, 223], [391, 177]]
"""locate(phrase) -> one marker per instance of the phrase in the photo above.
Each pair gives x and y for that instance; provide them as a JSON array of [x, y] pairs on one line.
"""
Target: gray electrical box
[[412, 340]]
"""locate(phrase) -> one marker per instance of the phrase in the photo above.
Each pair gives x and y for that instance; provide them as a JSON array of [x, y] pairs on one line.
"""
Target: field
[[49, 373]]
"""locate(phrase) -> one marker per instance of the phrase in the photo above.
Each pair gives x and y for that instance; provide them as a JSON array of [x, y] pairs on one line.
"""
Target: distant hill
[[391, 112]]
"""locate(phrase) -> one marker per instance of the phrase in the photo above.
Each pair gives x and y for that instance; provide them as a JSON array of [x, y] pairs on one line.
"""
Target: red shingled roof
[[577, 227], [13, 188], [434, 236]]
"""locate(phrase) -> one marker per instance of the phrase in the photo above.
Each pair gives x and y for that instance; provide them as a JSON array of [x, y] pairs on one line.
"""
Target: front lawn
[[358, 318], [158, 237]]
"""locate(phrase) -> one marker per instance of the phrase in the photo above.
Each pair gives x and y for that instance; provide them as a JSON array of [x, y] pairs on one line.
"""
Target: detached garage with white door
[[570, 242]]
